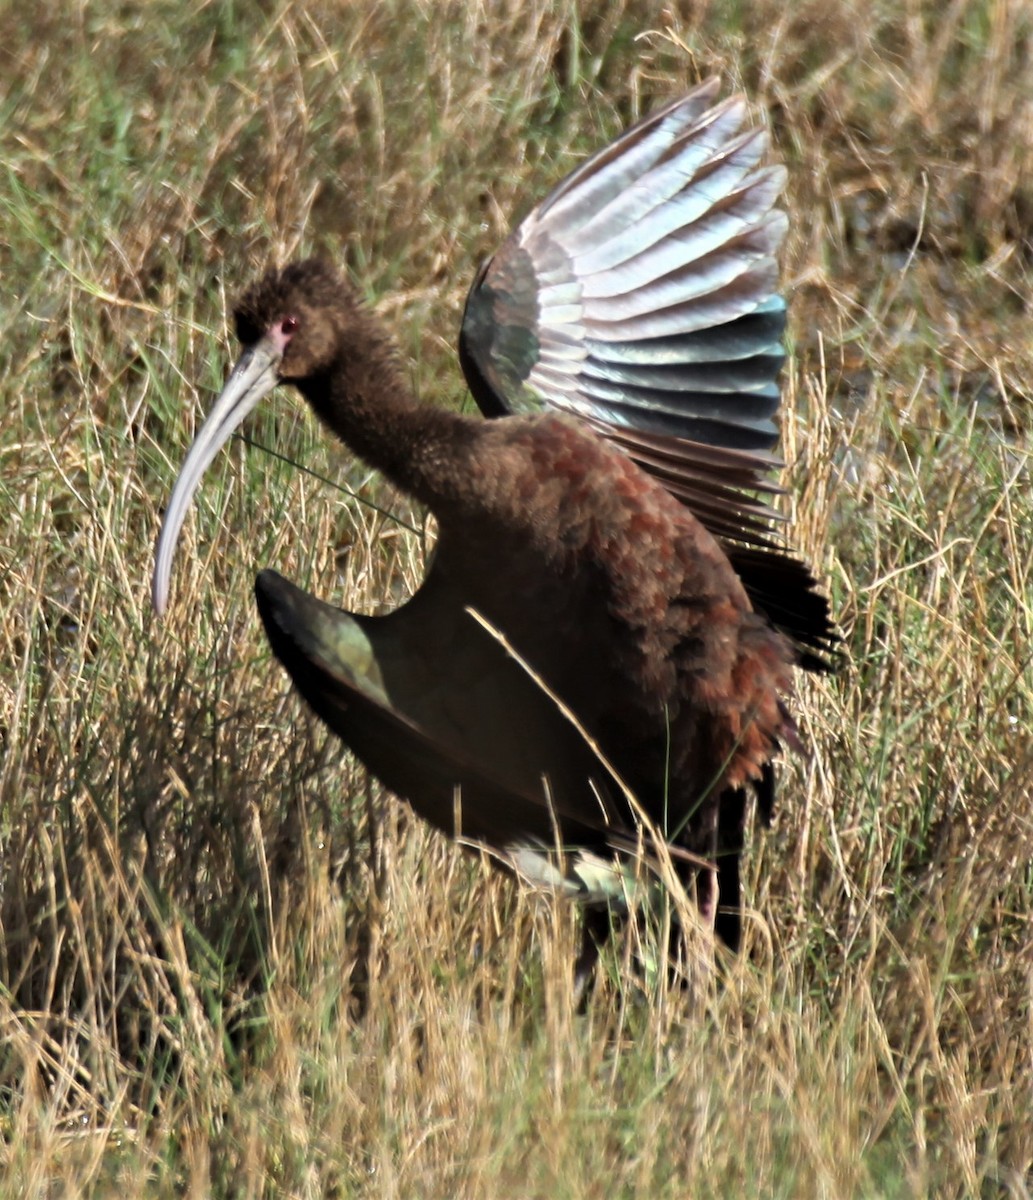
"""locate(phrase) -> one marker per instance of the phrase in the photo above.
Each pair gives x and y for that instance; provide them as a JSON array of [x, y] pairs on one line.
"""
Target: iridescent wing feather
[[641, 296]]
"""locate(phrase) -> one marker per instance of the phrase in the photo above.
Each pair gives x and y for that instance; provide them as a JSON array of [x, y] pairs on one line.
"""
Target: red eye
[[289, 325]]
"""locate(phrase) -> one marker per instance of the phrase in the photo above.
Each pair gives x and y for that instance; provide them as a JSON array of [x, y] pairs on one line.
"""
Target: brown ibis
[[607, 575]]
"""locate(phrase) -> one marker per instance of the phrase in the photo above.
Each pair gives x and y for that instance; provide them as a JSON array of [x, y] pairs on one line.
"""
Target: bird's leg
[[702, 888], [701, 882], [595, 930], [707, 896], [730, 838]]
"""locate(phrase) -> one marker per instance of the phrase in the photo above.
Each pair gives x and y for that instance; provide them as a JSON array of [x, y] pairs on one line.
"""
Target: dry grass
[[218, 976]]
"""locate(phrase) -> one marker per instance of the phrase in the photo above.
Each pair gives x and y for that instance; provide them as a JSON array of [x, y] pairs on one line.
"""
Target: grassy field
[[228, 967]]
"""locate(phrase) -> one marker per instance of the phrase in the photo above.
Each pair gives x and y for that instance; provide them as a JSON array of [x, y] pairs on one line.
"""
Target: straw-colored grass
[[228, 966]]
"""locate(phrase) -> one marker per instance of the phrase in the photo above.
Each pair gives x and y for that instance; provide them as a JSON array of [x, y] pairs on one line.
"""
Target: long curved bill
[[254, 376]]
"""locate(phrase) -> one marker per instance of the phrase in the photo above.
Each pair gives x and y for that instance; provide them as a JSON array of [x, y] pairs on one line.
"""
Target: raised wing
[[641, 296]]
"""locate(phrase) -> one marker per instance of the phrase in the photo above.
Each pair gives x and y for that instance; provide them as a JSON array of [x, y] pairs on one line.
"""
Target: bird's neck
[[365, 399]]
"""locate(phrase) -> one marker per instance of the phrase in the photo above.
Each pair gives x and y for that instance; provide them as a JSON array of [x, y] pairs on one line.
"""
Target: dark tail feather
[[784, 590]]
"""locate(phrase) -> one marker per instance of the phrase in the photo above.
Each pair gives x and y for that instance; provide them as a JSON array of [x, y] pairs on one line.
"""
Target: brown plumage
[[616, 593]]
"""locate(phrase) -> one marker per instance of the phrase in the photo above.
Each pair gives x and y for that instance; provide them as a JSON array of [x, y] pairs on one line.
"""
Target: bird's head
[[298, 316], [292, 325]]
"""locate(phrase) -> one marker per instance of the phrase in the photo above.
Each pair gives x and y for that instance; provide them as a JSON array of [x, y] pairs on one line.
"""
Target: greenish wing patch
[[500, 329]]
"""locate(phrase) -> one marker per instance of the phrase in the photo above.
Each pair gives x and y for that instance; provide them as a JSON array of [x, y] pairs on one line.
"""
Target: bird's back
[[624, 603]]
